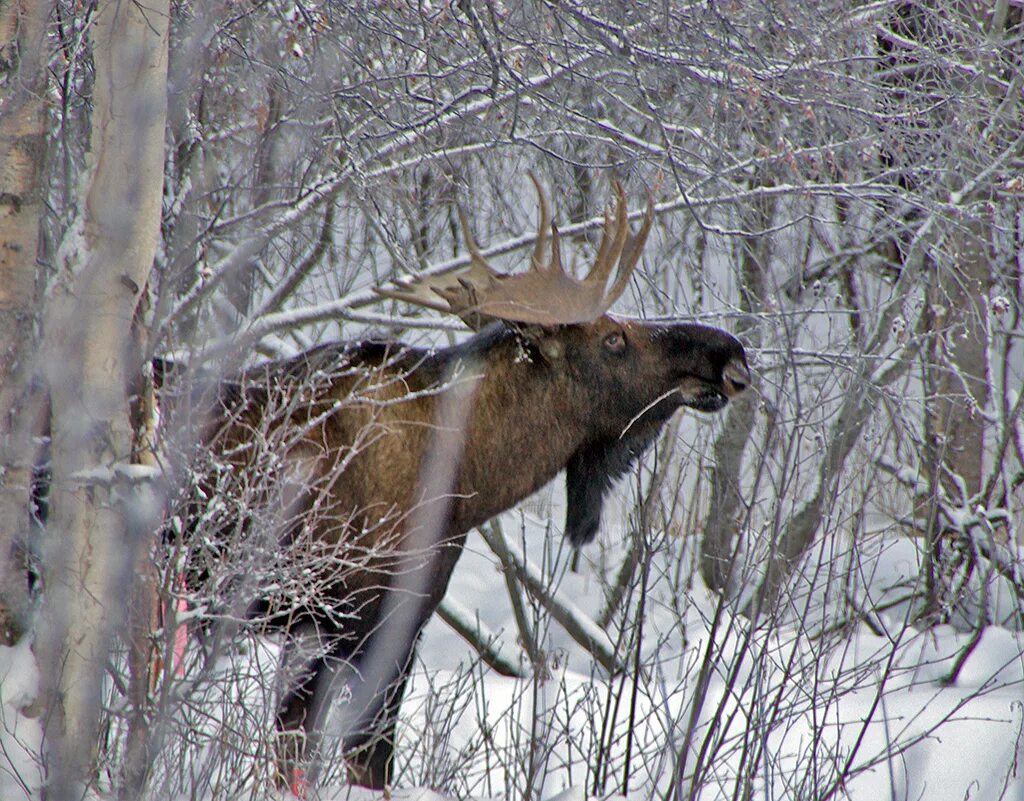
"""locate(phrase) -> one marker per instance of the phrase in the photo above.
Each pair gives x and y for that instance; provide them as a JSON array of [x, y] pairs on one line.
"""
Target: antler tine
[[631, 254], [610, 250], [544, 213], [556, 251], [544, 223], [606, 238], [426, 292], [479, 268]]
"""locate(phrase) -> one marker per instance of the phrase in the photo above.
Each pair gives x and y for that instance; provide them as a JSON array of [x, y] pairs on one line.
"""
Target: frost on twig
[[487, 643], [124, 473], [580, 626]]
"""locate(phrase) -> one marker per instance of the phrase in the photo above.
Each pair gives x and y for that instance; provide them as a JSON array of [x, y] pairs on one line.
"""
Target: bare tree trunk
[[962, 382], [95, 505], [22, 78], [721, 526]]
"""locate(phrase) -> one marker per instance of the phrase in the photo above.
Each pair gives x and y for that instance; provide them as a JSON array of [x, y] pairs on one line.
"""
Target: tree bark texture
[[92, 539], [22, 127]]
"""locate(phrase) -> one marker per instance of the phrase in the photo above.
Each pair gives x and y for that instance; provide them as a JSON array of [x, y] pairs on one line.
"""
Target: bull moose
[[386, 455]]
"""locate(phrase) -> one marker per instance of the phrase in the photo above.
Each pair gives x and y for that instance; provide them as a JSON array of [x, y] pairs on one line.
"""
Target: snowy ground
[[798, 705], [884, 701]]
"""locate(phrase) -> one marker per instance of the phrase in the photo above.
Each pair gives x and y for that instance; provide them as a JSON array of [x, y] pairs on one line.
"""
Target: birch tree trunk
[[22, 81], [92, 538]]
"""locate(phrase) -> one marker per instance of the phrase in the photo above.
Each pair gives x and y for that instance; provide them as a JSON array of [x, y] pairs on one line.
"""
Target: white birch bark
[[89, 553]]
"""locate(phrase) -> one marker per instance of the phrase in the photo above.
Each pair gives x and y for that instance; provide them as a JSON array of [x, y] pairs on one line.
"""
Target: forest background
[[804, 598]]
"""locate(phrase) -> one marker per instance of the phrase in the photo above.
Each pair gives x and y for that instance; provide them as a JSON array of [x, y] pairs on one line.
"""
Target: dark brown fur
[[584, 398]]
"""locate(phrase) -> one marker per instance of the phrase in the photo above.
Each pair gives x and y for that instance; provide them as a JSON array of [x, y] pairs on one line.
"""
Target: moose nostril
[[737, 376]]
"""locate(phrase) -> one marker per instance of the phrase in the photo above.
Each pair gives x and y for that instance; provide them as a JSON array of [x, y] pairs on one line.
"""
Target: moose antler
[[545, 294]]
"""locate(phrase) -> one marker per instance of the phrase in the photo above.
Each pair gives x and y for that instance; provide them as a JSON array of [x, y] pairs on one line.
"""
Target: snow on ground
[[797, 706], [20, 735]]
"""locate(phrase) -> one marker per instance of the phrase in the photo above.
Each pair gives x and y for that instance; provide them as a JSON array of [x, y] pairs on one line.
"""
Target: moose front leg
[[370, 754], [370, 657], [306, 668], [316, 669]]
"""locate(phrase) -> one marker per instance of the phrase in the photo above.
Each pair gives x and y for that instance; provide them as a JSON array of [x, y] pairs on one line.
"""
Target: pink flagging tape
[[298, 785], [181, 631]]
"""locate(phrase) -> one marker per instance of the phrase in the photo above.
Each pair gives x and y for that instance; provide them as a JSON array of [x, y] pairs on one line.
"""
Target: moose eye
[[615, 342]]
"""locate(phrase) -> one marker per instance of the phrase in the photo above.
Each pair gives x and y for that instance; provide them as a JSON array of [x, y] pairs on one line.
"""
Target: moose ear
[[590, 474], [544, 338]]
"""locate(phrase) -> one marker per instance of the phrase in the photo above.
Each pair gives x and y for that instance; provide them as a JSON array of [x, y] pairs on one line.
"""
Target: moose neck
[[523, 427]]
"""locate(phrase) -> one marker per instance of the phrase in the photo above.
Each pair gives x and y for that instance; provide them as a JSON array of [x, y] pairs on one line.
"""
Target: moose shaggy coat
[[386, 456]]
